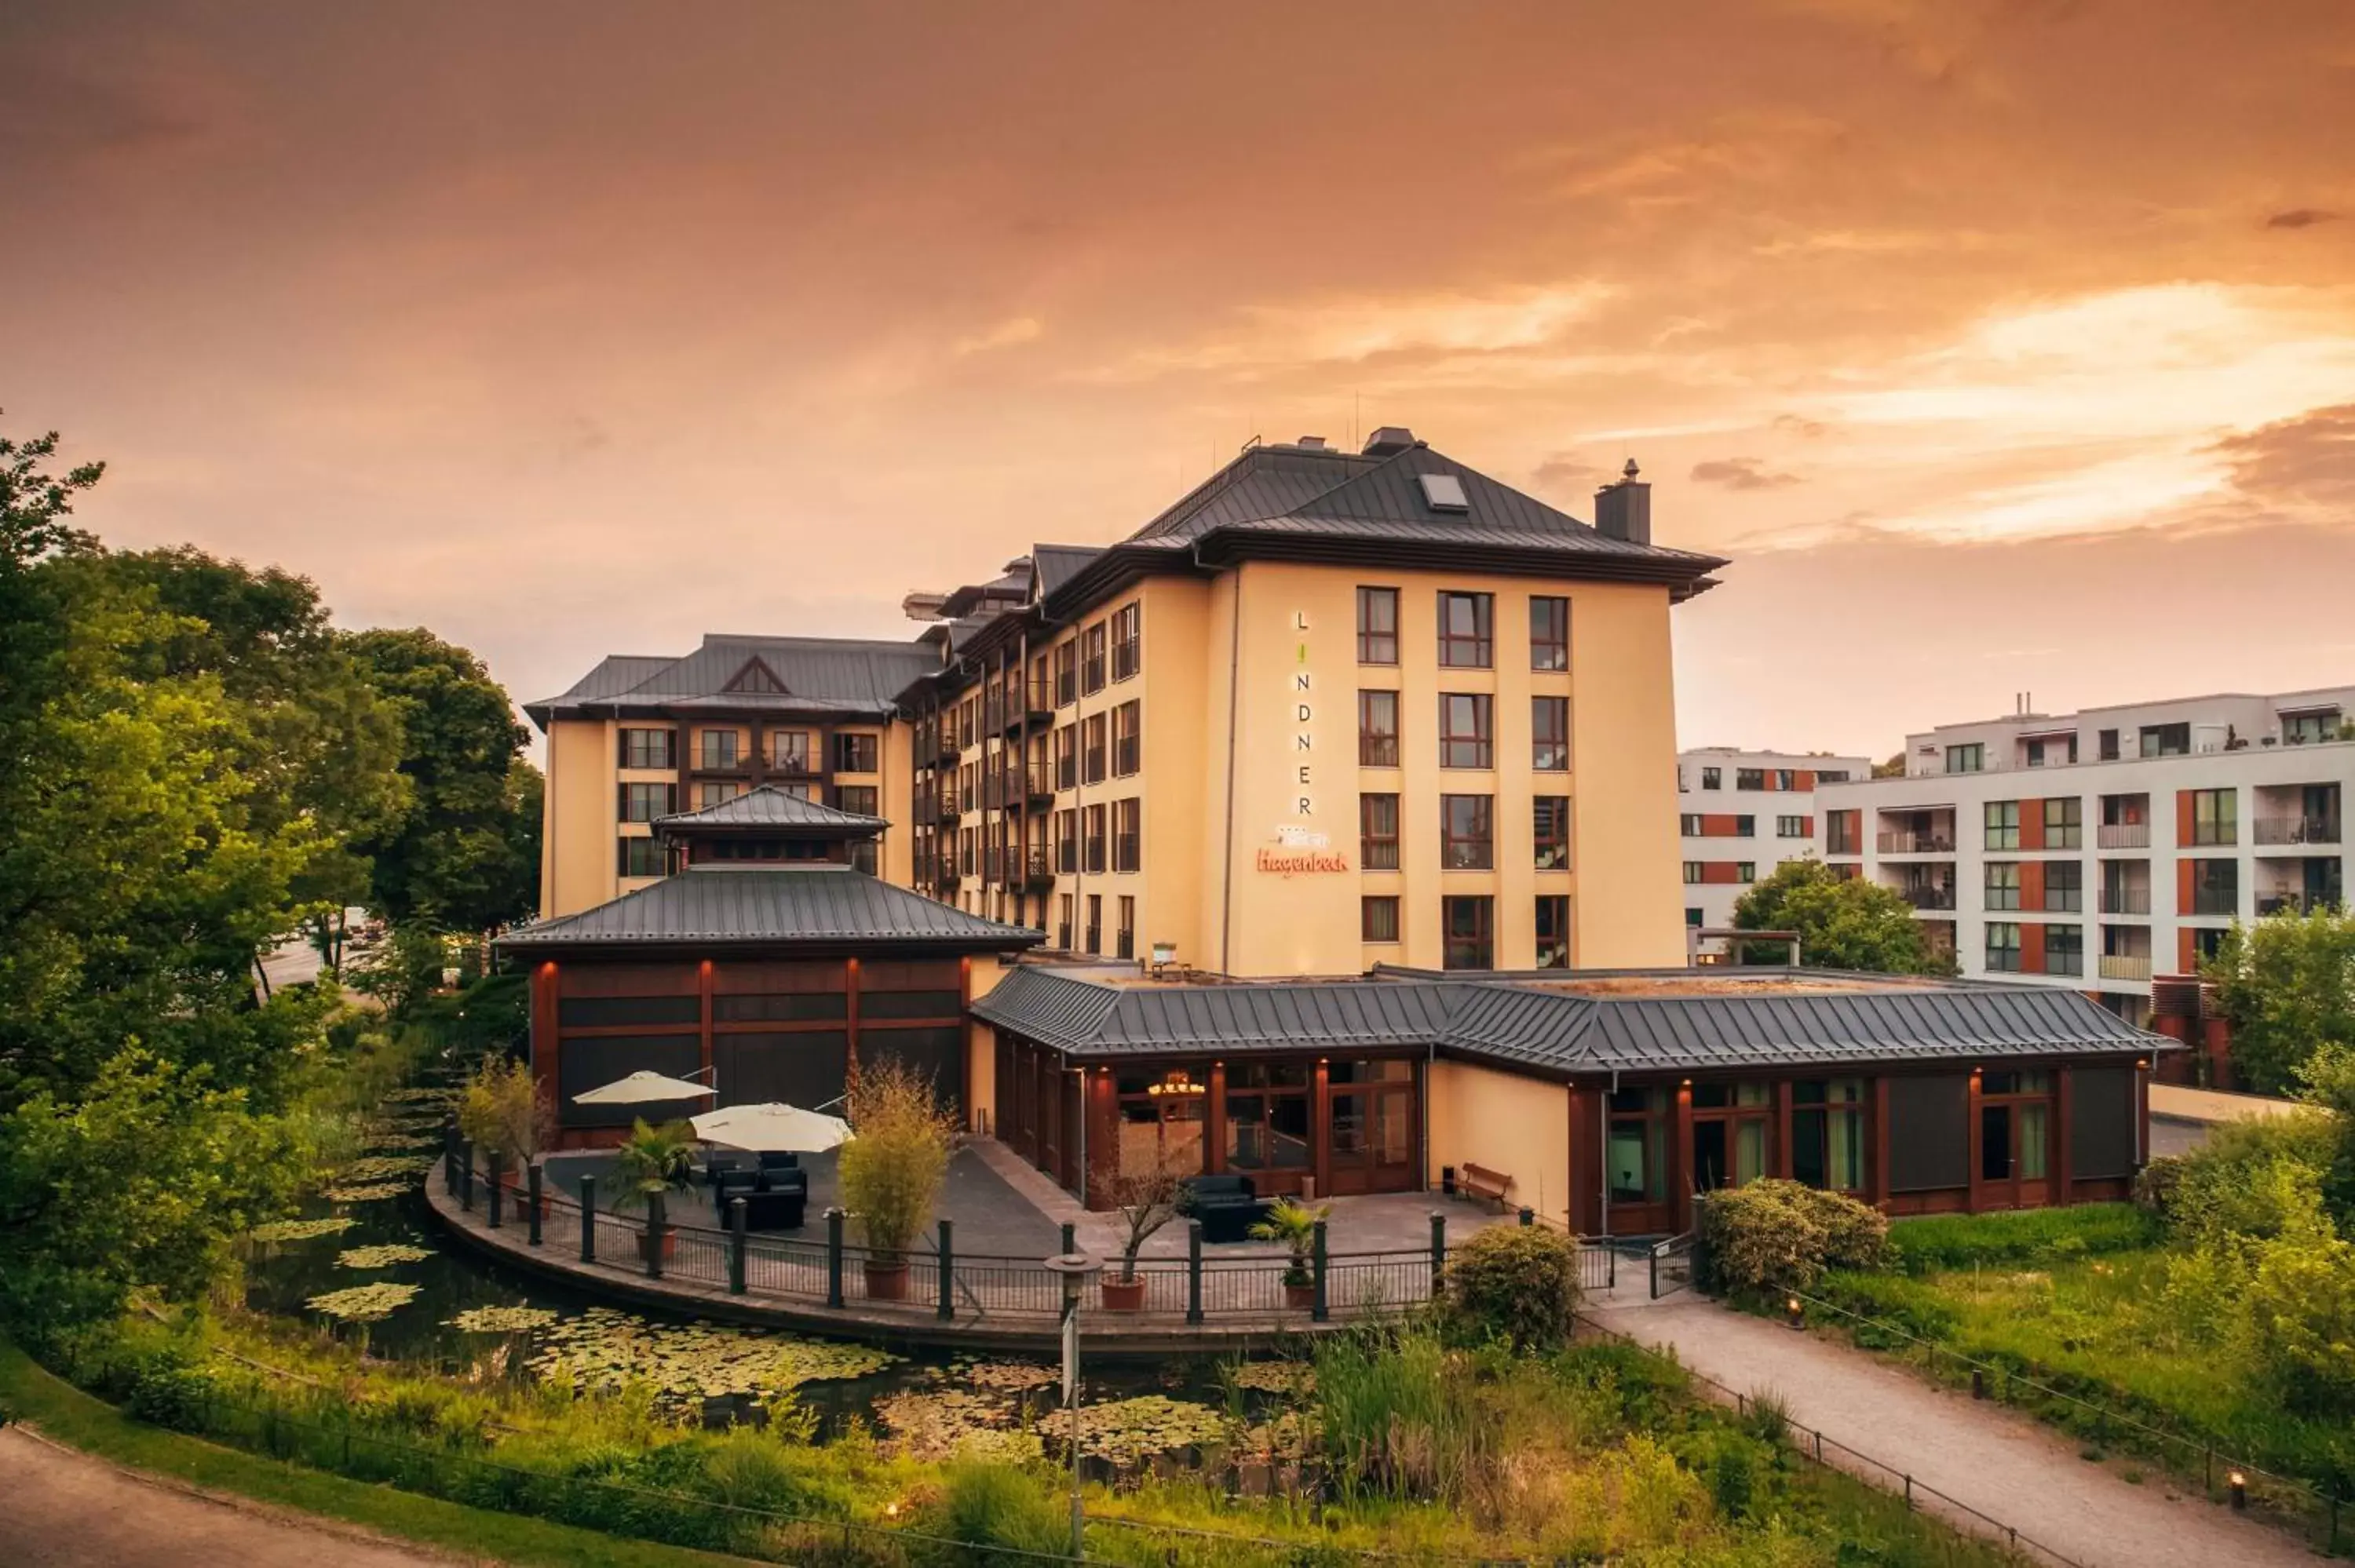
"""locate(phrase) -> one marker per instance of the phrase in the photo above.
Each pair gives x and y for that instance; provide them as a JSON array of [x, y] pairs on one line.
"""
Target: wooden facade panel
[[1928, 1133], [674, 978], [906, 974], [778, 975]]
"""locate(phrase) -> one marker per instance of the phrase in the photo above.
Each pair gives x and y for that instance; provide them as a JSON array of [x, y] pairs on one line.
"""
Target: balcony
[[1033, 704], [723, 762], [1917, 843], [2126, 900], [949, 753], [2123, 835], [2297, 830], [1038, 789], [1038, 875], [1928, 897], [2126, 967], [2270, 904], [1125, 851]]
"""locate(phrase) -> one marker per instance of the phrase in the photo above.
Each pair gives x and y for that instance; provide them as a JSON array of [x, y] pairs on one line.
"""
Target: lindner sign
[[1300, 846]]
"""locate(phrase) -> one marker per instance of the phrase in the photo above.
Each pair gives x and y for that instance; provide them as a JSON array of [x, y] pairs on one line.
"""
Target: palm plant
[[653, 1160], [1293, 1225]]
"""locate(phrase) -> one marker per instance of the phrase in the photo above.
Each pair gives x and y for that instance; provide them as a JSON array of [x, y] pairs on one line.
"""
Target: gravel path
[[1985, 1456], [61, 1509]]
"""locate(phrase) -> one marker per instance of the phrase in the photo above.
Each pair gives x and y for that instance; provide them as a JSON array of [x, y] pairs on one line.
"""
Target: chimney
[[1623, 510], [1310, 443], [1390, 440]]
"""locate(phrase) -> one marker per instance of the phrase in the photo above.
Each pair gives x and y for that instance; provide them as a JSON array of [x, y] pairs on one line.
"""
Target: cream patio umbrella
[[772, 1128], [642, 1087]]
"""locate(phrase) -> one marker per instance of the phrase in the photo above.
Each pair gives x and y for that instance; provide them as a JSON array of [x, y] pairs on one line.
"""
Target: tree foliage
[[2288, 983], [892, 1167], [1774, 1235], [1843, 922]]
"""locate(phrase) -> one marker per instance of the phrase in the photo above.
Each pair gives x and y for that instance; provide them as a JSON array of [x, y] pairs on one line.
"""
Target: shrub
[[998, 1506], [2251, 1177], [1517, 1282], [2301, 1317], [501, 1111], [1782, 1235], [167, 1391], [1399, 1415], [892, 1167]]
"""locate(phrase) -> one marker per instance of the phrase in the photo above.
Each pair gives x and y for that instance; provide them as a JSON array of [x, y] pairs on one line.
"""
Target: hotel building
[[1742, 814], [2093, 849]]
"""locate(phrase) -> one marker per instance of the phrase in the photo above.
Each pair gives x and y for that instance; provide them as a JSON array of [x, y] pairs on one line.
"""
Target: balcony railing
[[1124, 945], [1036, 871], [1124, 852], [1917, 843], [2297, 830], [2126, 900], [1928, 897], [2219, 902], [2126, 967], [2123, 835], [1095, 939], [2293, 902]]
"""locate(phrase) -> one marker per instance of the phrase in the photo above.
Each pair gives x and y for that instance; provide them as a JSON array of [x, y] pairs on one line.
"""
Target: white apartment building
[[1744, 813], [2094, 849]]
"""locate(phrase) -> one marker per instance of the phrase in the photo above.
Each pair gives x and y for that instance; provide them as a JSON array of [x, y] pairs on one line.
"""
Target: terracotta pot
[[518, 1201], [669, 1242], [1124, 1295], [1300, 1297], [886, 1281]]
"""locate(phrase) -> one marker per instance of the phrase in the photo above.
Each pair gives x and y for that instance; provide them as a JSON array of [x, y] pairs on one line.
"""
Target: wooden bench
[[1480, 1182]]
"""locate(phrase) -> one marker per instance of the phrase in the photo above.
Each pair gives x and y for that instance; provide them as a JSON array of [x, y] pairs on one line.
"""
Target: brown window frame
[[1066, 674], [1473, 650], [1480, 738], [639, 739], [1375, 644], [1547, 653], [1558, 906], [1476, 849], [1551, 836], [1370, 929], [1378, 844], [1093, 835], [670, 797], [850, 749], [1127, 833], [622, 856], [1377, 747], [1093, 752], [1548, 753], [1127, 737], [1127, 640], [1481, 942], [1091, 660]]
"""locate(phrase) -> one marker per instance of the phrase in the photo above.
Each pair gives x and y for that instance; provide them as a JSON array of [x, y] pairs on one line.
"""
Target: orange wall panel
[[2183, 888], [2031, 944], [2184, 830]]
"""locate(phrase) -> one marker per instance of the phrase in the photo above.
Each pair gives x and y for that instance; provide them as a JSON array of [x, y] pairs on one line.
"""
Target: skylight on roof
[[1444, 493]]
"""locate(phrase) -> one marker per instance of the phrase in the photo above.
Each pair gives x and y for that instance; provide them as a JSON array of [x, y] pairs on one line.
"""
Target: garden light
[[2239, 1484], [1796, 1312]]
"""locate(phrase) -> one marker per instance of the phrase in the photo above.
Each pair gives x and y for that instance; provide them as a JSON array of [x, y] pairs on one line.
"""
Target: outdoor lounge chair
[[1228, 1206]]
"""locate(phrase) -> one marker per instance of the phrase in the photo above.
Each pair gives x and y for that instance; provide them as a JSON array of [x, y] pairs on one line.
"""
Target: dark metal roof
[[821, 675], [831, 907], [1522, 1023], [766, 806], [1055, 564]]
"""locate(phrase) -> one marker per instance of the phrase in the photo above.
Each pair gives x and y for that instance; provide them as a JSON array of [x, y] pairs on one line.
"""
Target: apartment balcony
[[993, 866], [722, 763], [1037, 873], [1928, 897], [2297, 830], [1038, 789], [2126, 965], [1095, 939], [2217, 904], [1124, 945], [1917, 843], [1034, 706], [2123, 835], [2289, 901], [2126, 900], [949, 752]]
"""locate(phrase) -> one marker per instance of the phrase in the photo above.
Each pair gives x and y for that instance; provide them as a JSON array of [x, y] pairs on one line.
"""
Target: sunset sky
[[2003, 345]]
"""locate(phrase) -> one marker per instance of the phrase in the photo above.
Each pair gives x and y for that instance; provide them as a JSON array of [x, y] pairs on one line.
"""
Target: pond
[[365, 1257]]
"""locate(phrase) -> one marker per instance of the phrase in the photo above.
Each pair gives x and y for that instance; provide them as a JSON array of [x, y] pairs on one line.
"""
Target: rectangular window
[[2002, 885], [717, 794], [1067, 844], [1831, 775], [1549, 633], [1095, 923], [855, 753], [1378, 729], [1466, 631], [645, 802], [857, 799], [1092, 749], [1468, 927], [1127, 820], [1378, 917], [1745, 871], [2215, 887], [2065, 949], [1378, 625], [2310, 729], [789, 751], [2003, 946], [1092, 659], [718, 749], [2215, 816], [642, 857], [2002, 818], [1843, 832], [1745, 826], [1636, 1154], [2165, 739], [2064, 885], [2107, 742], [1795, 827], [1067, 679], [1828, 1134], [1095, 841], [1785, 779], [1463, 735], [1552, 817], [1378, 832], [648, 748], [1066, 756], [1712, 777], [1969, 758], [1465, 842], [1689, 825], [1692, 873], [1127, 642], [1127, 737], [1750, 778], [2064, 823], [1553, 931], [1549, 734], [1124, 936]]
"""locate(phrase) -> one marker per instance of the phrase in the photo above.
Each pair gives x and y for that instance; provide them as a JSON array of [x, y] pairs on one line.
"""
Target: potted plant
[[1293, 1225], [1145, 1201], [892, 1167], [653, 1160], [501, 1113]]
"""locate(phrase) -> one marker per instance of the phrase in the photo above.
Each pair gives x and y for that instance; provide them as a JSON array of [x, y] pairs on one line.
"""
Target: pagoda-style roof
[[766, 809], [801, 908]]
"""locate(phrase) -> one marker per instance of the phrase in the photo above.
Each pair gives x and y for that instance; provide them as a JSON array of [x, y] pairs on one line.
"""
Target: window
[[2050, 751], [1689, 825], [1095, 923], [1692, 873], [1124, 936], [1465, 843], [2064, 885], [2064, 823], [1828, 1134], [1378, 625], [1128, 646], [1750, 778], [1549, 734], [1067, 845], [1378, 731], [1378, 832], [2215, 887], [717, 794], [1127, 819], [2165, 739], [1551, 816], [1269, 1115], [862, 856], [1636, 1154], [855, 753], [1067, 677], [1066, 756], [2310, 729], [1095, 841], [2065, 949], [858, 799], [1466, 639], [645, 802], [1091, 658], [1553, 931], [1712, 777], [1785, 779], [2107, 743], [1728, 1142], [720, 748], [2002, 824], [1844, 833], [642, 857], [2003, 946], [1745, 871], [1745, 827], [2002, 885], [1549, 633], [1468, 926], [1795, 827], [1969, 758], [1831, 775], [648, 748], [1378, 917], [789, 751], [1092, 748], [1464, 730], [2215, 816], [1128, 733]]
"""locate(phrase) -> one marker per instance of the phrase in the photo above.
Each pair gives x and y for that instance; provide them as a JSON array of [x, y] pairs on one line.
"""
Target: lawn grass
[[70, 1416]]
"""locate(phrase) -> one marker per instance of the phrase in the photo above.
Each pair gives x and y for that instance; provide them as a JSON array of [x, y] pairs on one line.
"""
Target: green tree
[[1843, 922], [466, 855], [2288, 983]]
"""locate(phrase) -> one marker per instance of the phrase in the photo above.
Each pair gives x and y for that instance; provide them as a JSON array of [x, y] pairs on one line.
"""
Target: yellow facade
[[1516, 1125]]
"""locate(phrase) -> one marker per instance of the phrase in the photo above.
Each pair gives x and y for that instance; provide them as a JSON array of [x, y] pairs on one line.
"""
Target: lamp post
[[1076, 1268]]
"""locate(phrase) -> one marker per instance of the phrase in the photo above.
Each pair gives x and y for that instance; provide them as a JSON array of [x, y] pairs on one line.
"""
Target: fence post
[[532, 1196], [466, 1179], [1070, 1238], [736, 1246], [948, 1271], [1909, 1494], [588, 1219], [833, 1257], [1528, 1218], [1323, 1309], [497, 1162], [658, 1229], [450, 1158], [1193, 1271], [1438, 1250]]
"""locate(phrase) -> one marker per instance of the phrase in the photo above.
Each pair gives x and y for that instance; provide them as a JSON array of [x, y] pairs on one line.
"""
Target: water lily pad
[[1130, 1431], [605, 1349], [502, 1319], [366, 1192], [949, 1424], [383, 1167], [364, 1303], [395, 1143], [1276, 1377], [299, 1230], [421, 1094], [383, 1257], [1008, 1377]]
